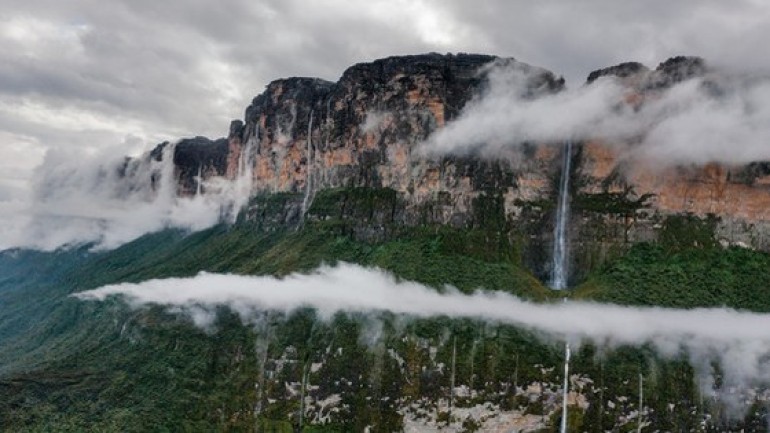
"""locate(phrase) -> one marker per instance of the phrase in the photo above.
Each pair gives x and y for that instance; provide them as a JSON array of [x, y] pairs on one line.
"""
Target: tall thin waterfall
[[560, 262], [199, 181], [560, 252], [565, 391]]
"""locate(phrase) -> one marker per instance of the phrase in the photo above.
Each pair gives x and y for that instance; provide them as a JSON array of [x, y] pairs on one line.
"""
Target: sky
[[84, 78]]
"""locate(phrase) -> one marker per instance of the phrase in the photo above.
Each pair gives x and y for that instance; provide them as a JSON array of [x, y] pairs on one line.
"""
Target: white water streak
[[199, 181], [560, 266], [565, 390]]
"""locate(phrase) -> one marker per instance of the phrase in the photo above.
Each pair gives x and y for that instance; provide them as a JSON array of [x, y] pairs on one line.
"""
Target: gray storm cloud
[[740, 341], [75, 76], [719, 118], [130, 70]]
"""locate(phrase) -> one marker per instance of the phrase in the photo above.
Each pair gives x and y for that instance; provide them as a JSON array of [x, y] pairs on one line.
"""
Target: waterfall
[[308, 169], [565, 391], [237, 192], [641, 403], [199, 181], [560, 253], [302, 389], [452, 380], [560, 261]]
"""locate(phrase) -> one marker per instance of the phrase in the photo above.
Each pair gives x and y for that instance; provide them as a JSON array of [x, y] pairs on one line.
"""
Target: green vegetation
[[77, 366], [610, 202], [652, 275], [67, 365], [686, 268]]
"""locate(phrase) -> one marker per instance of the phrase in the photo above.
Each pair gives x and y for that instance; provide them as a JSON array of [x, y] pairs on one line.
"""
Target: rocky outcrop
[[305, 135], [739, 196], [736, 194], [622, 70], [308, 134], [668, 73], [675, 70], [198, 158]]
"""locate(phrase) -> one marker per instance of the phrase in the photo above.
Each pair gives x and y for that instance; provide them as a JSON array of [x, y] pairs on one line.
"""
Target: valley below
[[336, 264]]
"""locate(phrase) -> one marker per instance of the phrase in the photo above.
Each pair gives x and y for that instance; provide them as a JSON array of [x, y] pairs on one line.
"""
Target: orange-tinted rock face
[[738, 195], [363, 131], [599, 160], [437, 108], [706, 190], [337, 157], [303, 135], [734, 194], [699, 190]]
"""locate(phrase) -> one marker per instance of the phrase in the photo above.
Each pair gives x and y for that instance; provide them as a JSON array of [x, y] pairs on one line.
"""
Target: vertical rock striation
[[363, 132]]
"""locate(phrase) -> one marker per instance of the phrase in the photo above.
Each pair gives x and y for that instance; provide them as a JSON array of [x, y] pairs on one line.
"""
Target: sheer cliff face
[[363, 131], [305, 135], [738, 195]]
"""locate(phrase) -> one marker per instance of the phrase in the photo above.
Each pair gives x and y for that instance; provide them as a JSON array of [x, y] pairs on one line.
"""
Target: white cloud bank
[[716, 118], [740, 341], [104, 200]]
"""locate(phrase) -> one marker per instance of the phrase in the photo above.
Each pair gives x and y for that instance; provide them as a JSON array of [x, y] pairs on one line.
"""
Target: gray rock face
[[678, 69], [668, 73], [621, 70], [198, 156]]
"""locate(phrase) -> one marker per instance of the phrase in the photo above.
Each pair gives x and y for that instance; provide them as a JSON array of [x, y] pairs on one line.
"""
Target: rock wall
[[362, 131], [304, 135]]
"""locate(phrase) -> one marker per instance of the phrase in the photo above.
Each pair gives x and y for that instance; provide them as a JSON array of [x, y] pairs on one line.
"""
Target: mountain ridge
[[304, 135], [330, 180]]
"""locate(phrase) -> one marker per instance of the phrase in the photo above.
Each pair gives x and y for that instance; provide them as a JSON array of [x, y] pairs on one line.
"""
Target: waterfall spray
[[242, 185], [560, 253]]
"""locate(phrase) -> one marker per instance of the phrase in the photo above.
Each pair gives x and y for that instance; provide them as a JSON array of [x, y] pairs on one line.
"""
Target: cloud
[[104, 200], [695, 123], [75, 76], [737, 340], [572, 38], [720, 117], [507, 115]]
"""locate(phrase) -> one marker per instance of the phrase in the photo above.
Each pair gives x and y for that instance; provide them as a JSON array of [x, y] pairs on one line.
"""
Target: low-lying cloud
[[739, 341], [720, 117], [107, 200]]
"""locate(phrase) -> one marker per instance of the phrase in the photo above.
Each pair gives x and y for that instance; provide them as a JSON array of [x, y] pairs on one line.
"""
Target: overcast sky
[[84, 75]]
